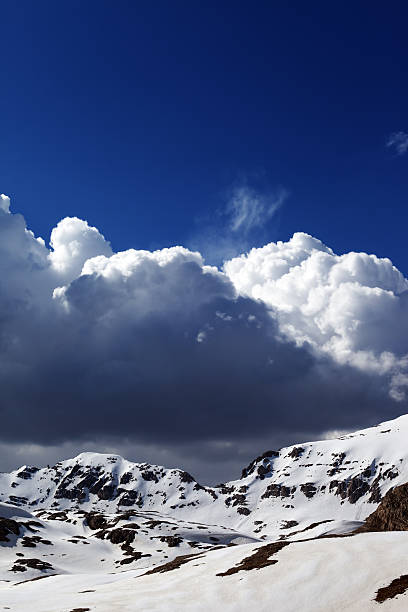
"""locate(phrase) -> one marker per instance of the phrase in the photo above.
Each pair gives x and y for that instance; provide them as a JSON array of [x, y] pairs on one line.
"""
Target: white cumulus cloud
[[73, 242], [4, 203], [353, 307]]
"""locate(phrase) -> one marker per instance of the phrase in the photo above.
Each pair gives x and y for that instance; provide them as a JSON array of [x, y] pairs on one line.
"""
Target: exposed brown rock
[[391, 514], [186, 477], [397, 587], [96, 521], [308, 489], [286, 524], [278, 490], [17, 501], [243, 510], [351, 489], [149, 475], [251, 467], [375, 491], [258, 560], [224, 490], [171, 541], [237, 499], [172, 565], [22, 564], [296, 452], [135, 556], [27, 473], [126, 478], [311, 526], [120, 535]]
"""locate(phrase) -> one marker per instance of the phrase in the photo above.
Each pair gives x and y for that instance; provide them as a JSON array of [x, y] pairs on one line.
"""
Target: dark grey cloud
[[155, 353]]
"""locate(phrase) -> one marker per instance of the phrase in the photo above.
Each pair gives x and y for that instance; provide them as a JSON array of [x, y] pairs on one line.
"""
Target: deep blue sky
[[139, 116]]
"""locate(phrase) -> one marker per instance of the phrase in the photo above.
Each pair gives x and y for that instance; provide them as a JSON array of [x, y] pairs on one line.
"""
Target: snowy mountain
[[330, 479], [97, 519]]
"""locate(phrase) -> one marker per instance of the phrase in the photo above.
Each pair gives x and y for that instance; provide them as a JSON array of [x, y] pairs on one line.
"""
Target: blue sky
[[141, 118]]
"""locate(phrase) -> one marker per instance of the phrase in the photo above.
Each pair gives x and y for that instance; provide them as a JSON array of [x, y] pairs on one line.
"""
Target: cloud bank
[[158, 351]]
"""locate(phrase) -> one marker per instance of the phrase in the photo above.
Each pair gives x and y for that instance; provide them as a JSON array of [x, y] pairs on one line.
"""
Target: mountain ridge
[[346, 476], [98, 519]]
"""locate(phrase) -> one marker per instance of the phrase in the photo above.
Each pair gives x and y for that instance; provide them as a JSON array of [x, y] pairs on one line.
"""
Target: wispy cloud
[[399, 142], [248, 209], [240, 223]]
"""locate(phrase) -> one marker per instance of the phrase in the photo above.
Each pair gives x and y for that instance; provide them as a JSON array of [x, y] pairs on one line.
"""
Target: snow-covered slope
[[341, 479], [326, 575], [97, 519]]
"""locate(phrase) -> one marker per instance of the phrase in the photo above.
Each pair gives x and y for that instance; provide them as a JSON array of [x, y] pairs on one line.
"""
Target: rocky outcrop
[[296, 452], [21, 565], [96, 521], [391, 514], [278, 490], [262, 469], [27, 472], [8, 527]]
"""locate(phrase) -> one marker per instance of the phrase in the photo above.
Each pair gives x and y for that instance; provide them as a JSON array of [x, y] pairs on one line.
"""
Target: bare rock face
[[296, 452], [21, 565], [264, 468], [95, 520], [8, 527], [391, 514]]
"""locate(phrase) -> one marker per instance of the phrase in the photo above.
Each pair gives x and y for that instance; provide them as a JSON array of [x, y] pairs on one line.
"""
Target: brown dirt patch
[[172, 565], [261, 558], [397, 587], [312, 526]]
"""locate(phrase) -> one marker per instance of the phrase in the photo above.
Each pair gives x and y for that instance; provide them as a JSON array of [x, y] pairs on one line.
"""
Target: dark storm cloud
[[155, 349]]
